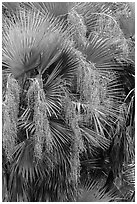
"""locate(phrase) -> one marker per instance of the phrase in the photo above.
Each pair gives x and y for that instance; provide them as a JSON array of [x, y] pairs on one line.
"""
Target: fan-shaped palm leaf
[[93, 191], [126, 184], [4, 186], [91, 11], [31, 42], [129, 174], [95, 139], [87, 8], [100, 52], [24, 171], [61, 76]]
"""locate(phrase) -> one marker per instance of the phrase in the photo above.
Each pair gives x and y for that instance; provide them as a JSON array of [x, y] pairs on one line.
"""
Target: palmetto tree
[[64, 113]]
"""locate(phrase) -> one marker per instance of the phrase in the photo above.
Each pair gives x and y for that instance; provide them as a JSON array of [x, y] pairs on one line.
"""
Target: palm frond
[[62, 139], [93, 164], [65, 65], [122, 147], [91, 12], [5, 194], [96, 140], [31, 42], [130, 116], [126, 183], [87, 8], [92, 191], [129, 174], [18, 186], [100, 53], [14, 39], [25, 170]]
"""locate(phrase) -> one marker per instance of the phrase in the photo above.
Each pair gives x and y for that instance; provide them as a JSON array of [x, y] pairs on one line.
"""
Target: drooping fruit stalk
[[72, 118], [10, 116], [37, 101]]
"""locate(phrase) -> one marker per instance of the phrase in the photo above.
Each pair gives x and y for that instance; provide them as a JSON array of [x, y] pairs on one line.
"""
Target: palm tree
[[65, 105]]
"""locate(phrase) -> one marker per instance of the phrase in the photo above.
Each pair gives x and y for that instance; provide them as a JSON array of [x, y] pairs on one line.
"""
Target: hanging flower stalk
[[87, 84], [98, 92], [72, 118], [77, 148], [42, 135], [79, 28], [10, 116], [87, 78]]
